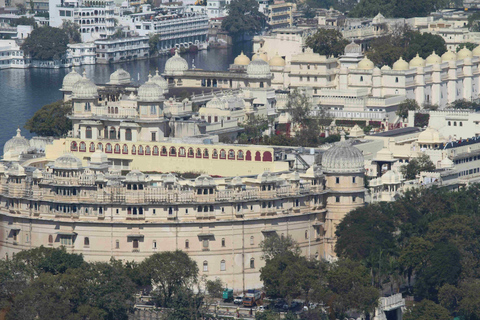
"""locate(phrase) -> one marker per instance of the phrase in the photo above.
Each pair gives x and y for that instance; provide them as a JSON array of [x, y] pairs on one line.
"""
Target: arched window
[[231, 154], [125, 149], [92, 147], [223, 154], [50, 239], [205, 266], [181, 152], [155, 151], [128, 134], [223, 266], [117, 148], [187, 244], [86, 241], [252, 240], [100, 146], [108, 148], [73, 146], [147, 150], [258, 157], [173, 152], [134, 149], [164, 151], [215, 154], [199, 153], [240, 155], [140, 149], [223, 242], [88, 133], [252, 263], [267, 156], [112, 133], [205, 153], [190, 152], [248, 156], [83, 147]]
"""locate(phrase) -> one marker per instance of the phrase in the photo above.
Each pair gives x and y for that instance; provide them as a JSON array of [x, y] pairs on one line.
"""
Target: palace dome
[[365, 64], [242, 60], [85, 88], [343, 158], [352, 47], [400, 65], [120, 77], [215, 103], [68, 161], [258, 68], [135, 176], [70, 79], [390, 177], [476, 51], [433, 59], [385, 68], [449, 56], [176, 64], [160, 81], [150, 91], [464, 53], [430, 135], [417, 62], [16, 145], [98, 157], [277, 61]]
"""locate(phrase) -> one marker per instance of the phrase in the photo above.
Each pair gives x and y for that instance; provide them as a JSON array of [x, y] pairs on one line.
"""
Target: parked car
[[238, 300]]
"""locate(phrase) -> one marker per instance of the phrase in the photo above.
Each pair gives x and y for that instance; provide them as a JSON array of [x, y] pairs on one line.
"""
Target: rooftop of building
[[398, 132]]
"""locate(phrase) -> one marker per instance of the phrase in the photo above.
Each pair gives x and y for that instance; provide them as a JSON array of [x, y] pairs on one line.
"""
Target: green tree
[[253, 129], [423, 44], [465, 104], [417, 165], [51, 120], [405, 106], [473, 22], [214, 288], [243, 18], [274, 245], [350, 289], [170, 271], [72, 31], [427, 310], [46, 43], [327, 42], [462, 299], [397, 9], [24, 21], [153, 42]]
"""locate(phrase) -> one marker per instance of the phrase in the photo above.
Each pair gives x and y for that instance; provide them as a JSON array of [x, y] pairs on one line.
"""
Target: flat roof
[[397, 132]]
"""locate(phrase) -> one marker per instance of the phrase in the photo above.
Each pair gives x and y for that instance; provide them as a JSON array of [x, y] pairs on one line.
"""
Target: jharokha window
[[181, 152], [215, 154], [92, 147], [223, 154], [155, 151], [164, 151], [205, 153], [173, 152], [190, 152]]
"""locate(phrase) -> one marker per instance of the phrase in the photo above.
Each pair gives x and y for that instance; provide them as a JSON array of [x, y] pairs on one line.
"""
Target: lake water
[[23, 92]]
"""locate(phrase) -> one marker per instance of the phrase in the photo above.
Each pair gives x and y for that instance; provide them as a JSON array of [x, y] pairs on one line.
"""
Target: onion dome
[[449, 56], [277, 61], [68, 162], [430, 135], [365, 64], [476, 51], [377, 72], [70, 79], [135, 176], [433, 59], [16, 146], [446, 163], [464, 53], [343, 158], [215, 103], [242, 60], [352, 47], [260, 55], [417, 62], [150, 91], [386, 68], [160, 81], [120, 77], [176, 65], [400, 65], [85, 88], [98, 157], [258, 68]]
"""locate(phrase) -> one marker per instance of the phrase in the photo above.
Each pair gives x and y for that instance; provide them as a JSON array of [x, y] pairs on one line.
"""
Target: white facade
[[81, 53], [95, 18], [11, 56], [116, 50], [216, 8]]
